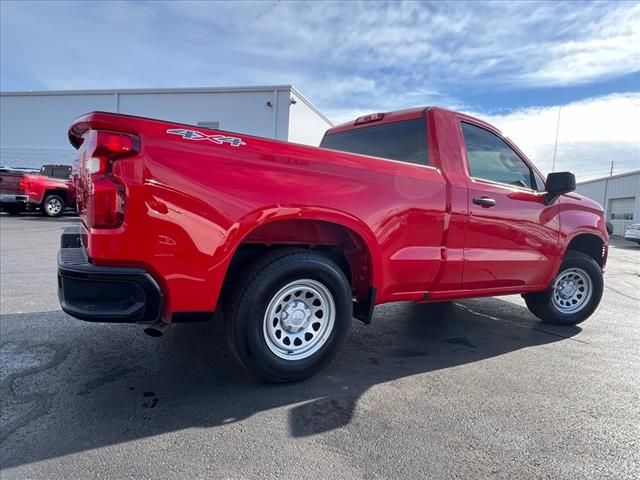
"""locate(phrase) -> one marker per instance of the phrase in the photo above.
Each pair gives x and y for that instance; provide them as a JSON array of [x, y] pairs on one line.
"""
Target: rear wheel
[[574, 294], [53, 205], [289, 315]]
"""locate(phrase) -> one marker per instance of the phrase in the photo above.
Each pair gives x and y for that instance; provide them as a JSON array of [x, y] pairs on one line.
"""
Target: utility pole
[[555, 148], [605, 203]]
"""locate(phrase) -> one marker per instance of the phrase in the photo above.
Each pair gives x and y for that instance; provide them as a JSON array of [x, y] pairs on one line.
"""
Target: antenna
[[555, 148]]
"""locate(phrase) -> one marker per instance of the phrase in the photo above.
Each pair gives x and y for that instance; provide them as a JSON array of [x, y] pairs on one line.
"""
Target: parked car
[[13, 198], [50, 189], [291, 241], [632, 233]]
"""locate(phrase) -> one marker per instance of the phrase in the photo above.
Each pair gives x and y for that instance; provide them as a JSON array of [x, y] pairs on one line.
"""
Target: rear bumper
[[13, 199], [103, 294]]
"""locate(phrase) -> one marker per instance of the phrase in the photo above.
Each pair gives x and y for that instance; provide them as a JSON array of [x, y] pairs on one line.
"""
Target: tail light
[[24, 184], [105, 201]]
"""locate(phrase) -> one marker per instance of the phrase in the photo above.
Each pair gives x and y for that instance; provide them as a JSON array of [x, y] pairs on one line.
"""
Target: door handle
[[485, 201]]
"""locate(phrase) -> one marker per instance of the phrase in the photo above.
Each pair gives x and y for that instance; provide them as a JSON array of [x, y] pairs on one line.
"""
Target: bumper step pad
[[103, 294]]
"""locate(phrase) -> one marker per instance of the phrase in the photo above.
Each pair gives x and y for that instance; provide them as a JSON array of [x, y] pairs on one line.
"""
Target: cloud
[[324, 48], [593, 132], [600, 48]]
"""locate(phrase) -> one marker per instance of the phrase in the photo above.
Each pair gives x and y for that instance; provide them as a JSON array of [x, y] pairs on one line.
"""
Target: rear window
[[59, 171], [403, 141]]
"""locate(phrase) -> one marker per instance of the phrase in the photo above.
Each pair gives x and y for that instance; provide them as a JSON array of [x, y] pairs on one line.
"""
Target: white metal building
[[619, 195], [34, 125]]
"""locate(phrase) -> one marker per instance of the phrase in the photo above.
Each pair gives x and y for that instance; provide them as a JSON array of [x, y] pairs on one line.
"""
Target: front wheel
[[574, 294], [289, 315], [53, 205]]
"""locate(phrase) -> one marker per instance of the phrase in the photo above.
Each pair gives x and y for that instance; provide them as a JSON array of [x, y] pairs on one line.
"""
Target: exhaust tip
[[153, 332], [156, 329]]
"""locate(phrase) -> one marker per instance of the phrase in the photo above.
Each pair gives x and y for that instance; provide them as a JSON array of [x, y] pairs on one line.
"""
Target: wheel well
[[62, 193], [342, 245], [590, 245]]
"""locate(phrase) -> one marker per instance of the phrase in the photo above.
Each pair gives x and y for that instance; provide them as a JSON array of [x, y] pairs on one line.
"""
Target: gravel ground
[[473, 389]]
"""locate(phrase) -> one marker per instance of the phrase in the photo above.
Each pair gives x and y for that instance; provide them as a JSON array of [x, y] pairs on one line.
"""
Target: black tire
[[542, 304], [53, 206], [259, 285]]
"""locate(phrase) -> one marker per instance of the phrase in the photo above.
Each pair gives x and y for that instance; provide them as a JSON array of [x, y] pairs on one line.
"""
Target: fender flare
[[566, 241], [260, 217]]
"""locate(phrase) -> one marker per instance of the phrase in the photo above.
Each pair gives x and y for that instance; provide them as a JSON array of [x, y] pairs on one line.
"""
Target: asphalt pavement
[[473, 389]]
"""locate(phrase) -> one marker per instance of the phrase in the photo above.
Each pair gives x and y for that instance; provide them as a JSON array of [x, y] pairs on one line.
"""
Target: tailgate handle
[[485, 201]]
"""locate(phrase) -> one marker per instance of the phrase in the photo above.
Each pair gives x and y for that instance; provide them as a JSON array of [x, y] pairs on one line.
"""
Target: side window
[[490, 158]]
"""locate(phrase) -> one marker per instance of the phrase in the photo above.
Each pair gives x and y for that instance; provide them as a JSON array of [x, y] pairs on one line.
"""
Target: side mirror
[[559, 183]]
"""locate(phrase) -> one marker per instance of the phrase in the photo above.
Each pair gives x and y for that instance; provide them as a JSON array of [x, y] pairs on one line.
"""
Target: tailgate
[[10, 183]]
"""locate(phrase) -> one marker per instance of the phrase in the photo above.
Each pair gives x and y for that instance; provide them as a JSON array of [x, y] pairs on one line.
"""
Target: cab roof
[[388, 117], [401, 115]]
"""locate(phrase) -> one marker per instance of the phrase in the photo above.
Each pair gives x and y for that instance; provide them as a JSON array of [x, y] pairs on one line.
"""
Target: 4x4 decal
[[215, 138]]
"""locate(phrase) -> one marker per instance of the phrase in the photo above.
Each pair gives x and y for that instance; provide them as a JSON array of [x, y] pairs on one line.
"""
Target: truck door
[[512, 236]]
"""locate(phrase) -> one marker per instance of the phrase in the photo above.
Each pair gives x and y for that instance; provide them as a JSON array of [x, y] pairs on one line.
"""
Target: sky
[[514, 64]]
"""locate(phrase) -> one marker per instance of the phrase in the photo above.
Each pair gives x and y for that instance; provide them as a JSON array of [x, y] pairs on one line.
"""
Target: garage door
[[621, 213]]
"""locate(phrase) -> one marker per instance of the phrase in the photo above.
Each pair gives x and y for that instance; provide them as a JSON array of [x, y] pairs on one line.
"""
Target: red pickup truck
[[425, 205], [51, 190]]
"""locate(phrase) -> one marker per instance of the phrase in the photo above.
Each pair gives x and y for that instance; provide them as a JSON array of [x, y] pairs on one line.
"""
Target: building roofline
[[257, 88], [618, 175], [299, 96]]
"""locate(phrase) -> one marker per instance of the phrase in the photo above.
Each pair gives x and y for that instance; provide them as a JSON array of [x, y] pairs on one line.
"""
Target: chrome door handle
[[485, 201]]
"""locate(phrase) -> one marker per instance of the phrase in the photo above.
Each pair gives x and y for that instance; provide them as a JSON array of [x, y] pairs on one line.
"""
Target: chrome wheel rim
[[54, 206], [572, 290], [299, 319]]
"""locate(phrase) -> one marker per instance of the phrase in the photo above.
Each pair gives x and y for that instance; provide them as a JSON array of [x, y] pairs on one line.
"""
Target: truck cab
[[505, 227]]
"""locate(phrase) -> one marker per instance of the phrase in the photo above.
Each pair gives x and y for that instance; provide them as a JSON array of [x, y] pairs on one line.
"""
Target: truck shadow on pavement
[[73, 386], [67, 217]]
